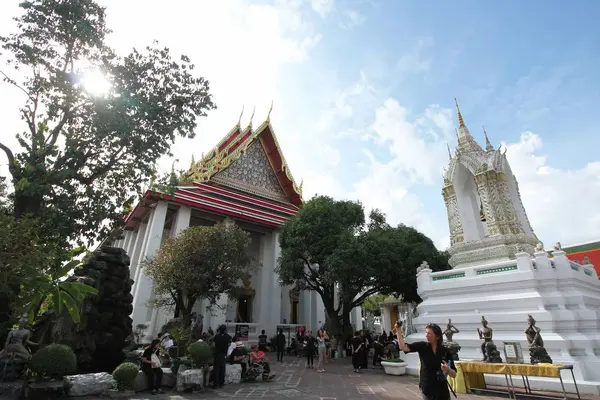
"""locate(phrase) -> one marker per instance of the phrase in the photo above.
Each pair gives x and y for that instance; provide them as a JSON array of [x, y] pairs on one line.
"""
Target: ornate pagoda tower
[[487, 220]]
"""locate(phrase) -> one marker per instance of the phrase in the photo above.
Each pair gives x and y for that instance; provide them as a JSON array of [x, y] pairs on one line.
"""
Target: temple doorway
[[244, 309], [294, 305]]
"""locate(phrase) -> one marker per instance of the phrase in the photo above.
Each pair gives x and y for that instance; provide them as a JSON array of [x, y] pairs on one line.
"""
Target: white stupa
[[502, 272]]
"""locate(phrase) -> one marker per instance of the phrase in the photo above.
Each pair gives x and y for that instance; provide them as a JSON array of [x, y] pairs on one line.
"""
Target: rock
[[189, 379], [89, 384], [169, 380], [11, 390], [98, 340], [141, 382], [47, 390], [124, 394], [233, 373]]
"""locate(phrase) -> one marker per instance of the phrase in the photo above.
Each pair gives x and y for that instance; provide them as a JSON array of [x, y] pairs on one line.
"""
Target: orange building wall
[[591, 250]]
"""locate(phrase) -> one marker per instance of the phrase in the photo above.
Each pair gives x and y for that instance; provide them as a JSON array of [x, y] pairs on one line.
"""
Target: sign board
[[241, 331], [513, 354]]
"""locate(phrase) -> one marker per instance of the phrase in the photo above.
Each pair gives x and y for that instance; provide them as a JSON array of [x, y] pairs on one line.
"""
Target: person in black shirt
[[151, 367], [280, 345], [310, 348], [436, 362], [221, 340], [262, 341], [356, 346]]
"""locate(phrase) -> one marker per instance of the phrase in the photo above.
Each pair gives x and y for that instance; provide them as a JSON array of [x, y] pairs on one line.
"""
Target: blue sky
[[363, 93]]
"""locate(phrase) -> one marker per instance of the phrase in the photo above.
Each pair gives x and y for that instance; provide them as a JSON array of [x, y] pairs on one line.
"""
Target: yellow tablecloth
[[470, 373]]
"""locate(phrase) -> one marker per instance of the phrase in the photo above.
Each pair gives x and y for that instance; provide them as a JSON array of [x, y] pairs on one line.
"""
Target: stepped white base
[[562, 296]]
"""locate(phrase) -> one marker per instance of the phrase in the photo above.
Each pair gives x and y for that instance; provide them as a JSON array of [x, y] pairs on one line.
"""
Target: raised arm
[[401, 343]]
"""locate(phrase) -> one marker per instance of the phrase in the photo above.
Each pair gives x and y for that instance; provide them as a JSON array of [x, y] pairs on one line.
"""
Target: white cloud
[[562, 205], [353, 18], [323, 7]]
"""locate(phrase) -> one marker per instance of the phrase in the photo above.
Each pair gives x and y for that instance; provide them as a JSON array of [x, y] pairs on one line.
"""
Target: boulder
[[233, 374], [141, 381], [47, 390], [89, 384], [189, 379]]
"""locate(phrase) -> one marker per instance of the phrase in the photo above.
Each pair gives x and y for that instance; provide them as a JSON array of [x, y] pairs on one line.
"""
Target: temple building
[[246, 181]]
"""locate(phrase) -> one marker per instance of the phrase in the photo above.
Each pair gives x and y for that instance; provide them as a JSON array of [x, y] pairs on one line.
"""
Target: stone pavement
[[293, 380]]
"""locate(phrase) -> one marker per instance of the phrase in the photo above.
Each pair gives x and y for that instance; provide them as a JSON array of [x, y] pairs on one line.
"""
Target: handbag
[[156, 361]]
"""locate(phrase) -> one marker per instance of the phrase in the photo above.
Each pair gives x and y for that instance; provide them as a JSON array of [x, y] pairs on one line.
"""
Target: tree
[[331, 248], [202, 262], [83, 158]]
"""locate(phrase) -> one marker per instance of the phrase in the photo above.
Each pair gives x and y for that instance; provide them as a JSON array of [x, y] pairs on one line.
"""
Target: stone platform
[[562, 296]]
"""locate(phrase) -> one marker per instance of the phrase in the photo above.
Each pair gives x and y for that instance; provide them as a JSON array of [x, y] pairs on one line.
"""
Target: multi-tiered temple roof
[[245, 176]]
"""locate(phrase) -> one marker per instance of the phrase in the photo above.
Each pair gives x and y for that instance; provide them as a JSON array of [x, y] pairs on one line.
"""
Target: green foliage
[[54, 361], [125, 374], [83, 159], [202, 262], [372, 303], [60, 294], [331, 242], [200, 353]]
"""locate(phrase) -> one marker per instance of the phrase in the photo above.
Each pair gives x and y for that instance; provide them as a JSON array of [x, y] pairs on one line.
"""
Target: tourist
[[332, 348], [280, 345], [232, 346], [221, 340], [152, 367], [262, 341], [436, 362], [310, 347], [259, 357], [356, 345], [322, 347], [238, 356]]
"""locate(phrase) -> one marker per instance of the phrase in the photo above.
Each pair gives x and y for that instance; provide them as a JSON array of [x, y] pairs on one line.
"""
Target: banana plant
[[59, 294]]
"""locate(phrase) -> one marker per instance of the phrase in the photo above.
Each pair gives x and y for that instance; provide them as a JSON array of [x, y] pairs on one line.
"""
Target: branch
[[15, 84], [10, 156], [362, 297], [102, 170], [53, 136]]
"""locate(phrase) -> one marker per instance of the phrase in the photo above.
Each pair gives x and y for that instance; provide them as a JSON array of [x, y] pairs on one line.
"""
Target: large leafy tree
[[331, 248], [82, 158], [202, 262]]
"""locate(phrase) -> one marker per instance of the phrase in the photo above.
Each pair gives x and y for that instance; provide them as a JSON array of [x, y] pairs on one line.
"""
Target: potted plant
[[394, 366]]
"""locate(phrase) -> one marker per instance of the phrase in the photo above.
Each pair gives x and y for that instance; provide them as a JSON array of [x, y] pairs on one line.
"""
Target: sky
[[363, 94]]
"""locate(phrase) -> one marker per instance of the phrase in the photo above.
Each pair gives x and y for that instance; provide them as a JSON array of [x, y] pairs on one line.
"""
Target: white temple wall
[[468, 204], [511, 182], [285, 309], [143, 284], [140, 234]]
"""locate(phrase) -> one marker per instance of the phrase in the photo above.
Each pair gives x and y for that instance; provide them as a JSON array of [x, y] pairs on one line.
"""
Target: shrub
[[200, 353], [54, 361], [125, 374]]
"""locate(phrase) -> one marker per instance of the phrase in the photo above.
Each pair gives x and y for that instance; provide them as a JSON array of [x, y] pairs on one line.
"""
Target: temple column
[[276, 289], [135, 254], [268, 314], [181, 223], [130, 243], [386, 319], [127, 240], [143, 290]]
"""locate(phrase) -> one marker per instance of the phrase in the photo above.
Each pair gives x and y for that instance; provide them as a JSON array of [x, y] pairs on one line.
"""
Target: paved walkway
[[293, 380]]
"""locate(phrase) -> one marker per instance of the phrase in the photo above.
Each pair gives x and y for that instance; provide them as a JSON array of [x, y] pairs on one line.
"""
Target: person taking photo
[[436, 362]]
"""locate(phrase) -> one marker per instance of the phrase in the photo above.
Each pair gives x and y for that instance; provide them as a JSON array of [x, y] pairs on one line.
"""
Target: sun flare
[[95, 83]]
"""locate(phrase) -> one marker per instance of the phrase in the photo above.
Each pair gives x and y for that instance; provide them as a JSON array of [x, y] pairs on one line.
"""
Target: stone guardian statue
[[15, 342], [452, 346], [537, 351], [488, 348]]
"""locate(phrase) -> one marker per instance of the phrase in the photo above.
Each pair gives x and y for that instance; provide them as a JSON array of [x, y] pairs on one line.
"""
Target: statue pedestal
[[563, 297], [453, 348], [11, 370]]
